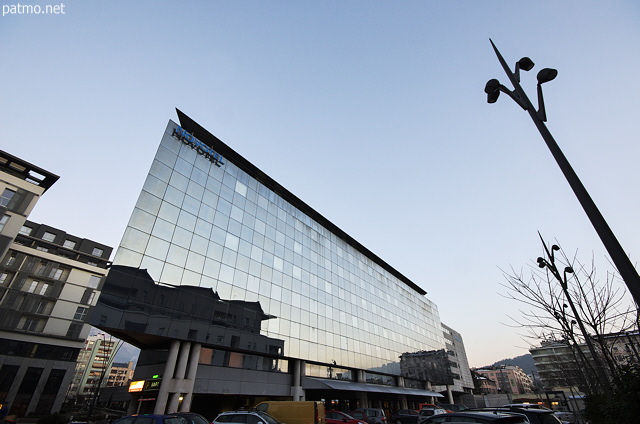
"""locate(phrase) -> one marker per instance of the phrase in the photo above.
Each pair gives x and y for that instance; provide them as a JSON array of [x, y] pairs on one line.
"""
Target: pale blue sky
[[372, 112]]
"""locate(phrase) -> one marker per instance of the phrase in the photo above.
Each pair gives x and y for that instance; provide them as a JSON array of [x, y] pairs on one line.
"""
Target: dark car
[[339, 417], [405, 416], [192, 417], [359, 415], [477, 417], [150, 419], [535, 415], [374, 415], [453, 407], [428, 412]]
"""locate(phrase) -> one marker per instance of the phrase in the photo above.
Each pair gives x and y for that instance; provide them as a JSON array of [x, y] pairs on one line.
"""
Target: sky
[[372, 112]]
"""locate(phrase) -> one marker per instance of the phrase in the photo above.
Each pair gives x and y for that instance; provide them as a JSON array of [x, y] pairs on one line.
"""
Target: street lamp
[[493, 88]]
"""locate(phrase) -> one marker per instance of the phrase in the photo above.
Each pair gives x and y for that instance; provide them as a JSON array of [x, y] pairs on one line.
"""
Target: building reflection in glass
[[148, 315], [433, 366]]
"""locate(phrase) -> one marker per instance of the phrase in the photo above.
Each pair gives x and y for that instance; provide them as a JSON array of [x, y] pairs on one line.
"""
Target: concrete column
[[192, 372], [174, 400], [363, 399], [297, 392], [183, 359], [179, 384], [167, 376], [403, 398], [449, 394]]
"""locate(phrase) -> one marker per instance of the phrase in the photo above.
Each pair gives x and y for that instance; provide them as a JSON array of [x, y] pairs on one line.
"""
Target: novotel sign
[[197, 145]]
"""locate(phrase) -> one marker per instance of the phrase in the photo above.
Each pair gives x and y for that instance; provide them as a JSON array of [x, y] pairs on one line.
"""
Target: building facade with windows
[[459, 364], [237, 291], [558, 362], [48, 281], [93, 368], [510, 379]]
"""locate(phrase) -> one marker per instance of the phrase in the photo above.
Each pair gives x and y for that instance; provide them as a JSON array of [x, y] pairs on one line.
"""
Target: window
[[97, 252], [43, 289], [4, 277], [81, 313], [94, 280], [26, 231], [3, 221], [6, 197], [69, 244], [42, 307], [30, 324], [48, 236], [74, 330], [13, 259], [56, 273], [32, 287]]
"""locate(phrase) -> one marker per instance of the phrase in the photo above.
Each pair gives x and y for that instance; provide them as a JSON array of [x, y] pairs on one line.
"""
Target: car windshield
[[549, 419], [268, 418], [193, 418]]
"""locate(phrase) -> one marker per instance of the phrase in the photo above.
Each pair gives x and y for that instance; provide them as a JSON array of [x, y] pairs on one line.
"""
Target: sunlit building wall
[[218, 222]]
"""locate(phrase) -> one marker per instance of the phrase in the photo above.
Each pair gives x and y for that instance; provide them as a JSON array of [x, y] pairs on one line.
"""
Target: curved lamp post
[[493, 89]]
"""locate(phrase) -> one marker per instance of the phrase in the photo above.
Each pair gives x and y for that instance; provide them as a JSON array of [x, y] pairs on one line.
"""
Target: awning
[[325, 383]]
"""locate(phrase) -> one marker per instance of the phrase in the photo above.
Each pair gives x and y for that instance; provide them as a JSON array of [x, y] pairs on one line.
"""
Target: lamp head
[[546, 75], [525, 64], [493, 90], [541, 262]]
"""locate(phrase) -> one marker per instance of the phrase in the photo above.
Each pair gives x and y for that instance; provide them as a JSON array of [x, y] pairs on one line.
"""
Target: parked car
[[192, 417], [150, 419], [453, 407], [358, 415], [404, 416], [245, 417], [477, 417], [428, 412], [374, 415], [565, 416], [535, 415], [339, 417]]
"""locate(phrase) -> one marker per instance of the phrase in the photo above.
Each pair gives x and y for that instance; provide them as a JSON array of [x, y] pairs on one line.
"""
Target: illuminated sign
[[197, 145], [136, 386], [151, 385]]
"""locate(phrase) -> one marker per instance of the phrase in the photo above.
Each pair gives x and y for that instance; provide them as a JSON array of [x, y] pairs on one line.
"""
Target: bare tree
[[566, 302]]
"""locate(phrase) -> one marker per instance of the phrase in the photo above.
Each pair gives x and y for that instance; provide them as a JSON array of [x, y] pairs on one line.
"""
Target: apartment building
[[49, 280], [510, 379]]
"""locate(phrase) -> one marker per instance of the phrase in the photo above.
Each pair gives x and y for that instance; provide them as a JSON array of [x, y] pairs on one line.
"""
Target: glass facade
[[209, 223]]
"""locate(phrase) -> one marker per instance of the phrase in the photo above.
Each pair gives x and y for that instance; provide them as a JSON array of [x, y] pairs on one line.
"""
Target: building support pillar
[[363, 399], [402, 398], [450, 394], [167, 376], [192, 372], [297, 392]]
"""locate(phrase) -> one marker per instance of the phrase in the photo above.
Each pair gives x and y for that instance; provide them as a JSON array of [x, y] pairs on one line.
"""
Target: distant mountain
[[523, 361]]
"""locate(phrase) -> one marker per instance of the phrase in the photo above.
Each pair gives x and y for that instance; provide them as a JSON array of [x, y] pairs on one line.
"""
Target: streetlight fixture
[[493, 88]]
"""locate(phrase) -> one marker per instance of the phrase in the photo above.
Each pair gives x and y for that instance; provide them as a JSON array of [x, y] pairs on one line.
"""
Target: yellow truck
[[294, 412]]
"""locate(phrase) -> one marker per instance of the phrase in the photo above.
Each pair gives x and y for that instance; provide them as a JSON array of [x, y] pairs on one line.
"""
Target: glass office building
[[210, 220]]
